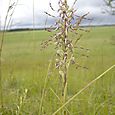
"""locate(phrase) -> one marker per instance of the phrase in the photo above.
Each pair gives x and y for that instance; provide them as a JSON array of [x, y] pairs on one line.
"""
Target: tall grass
[[6, 24], [89, 84]]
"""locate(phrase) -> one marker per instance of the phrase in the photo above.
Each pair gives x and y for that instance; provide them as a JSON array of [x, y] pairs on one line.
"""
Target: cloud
[[23, 15]]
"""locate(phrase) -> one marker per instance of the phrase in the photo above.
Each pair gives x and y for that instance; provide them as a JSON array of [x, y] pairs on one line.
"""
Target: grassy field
[[24, 68]]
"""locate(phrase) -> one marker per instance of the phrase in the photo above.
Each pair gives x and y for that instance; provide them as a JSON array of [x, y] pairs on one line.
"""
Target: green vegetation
[[24, 68]]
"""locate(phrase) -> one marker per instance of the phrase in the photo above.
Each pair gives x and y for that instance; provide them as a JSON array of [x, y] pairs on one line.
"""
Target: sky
[[23, 14]]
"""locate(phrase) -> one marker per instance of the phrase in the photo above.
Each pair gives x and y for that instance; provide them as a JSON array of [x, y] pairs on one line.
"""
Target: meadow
[[25, 65]]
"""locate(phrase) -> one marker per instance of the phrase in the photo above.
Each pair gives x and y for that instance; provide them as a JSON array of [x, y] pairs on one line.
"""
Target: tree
[[110, 6]]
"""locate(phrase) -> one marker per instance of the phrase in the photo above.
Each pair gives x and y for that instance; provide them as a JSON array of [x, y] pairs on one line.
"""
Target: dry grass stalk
[[11, 9], [44, 87], [83, 89]]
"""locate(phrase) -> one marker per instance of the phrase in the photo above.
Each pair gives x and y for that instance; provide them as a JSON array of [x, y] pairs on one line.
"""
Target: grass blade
[[83, 89]]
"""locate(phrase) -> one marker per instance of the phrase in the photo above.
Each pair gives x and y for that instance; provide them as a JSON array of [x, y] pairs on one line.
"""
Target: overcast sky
[[23, 15]]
